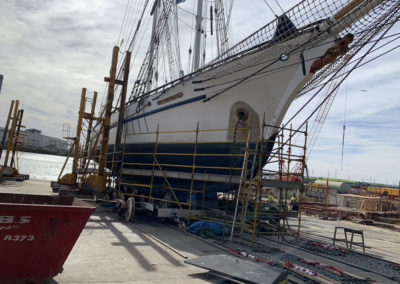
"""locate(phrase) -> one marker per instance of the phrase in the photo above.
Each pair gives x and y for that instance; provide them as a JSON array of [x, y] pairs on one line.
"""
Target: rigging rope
[[232, 152], [123, 21], [344, 125], [345, 77], [270, 8], [340, 82], [273, 61], [277, 3], [228, 21]]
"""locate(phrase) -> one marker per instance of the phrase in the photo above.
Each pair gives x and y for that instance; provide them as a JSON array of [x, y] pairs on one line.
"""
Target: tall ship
[[181, 131]]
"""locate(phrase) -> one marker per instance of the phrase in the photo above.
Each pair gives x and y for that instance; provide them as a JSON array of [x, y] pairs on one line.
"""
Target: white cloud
[[51, 49]]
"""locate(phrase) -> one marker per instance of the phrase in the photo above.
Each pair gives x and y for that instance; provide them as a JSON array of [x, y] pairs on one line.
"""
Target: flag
[[180, 1]]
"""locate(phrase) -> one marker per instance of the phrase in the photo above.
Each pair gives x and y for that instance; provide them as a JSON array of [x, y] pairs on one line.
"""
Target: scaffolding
[[194, 172], [149, 177], [78, 153], [92, 160], [11, 140], [260, 212], [216, 175]]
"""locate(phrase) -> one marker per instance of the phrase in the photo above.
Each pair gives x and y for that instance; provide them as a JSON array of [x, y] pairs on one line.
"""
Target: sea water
[[41, 166]]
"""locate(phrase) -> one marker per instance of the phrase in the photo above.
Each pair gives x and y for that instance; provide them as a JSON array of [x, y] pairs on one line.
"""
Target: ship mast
[[154, 13], [197, 40]]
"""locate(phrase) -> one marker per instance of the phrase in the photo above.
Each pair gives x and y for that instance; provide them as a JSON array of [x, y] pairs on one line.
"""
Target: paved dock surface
[[110, 250], [381, 242]]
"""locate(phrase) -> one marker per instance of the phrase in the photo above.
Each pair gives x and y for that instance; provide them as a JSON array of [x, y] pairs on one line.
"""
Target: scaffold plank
[[183, 175], [239, 269]]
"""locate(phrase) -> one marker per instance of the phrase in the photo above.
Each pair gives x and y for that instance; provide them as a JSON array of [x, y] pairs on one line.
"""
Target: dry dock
[[111, 250]]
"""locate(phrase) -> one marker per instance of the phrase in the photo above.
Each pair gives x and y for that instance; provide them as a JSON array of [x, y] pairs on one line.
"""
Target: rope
[[273, 61], [231, 160], [340, 82], [270, 8], [345, 76], [286, 66], [123, 21], [344, 125], [277, 3]]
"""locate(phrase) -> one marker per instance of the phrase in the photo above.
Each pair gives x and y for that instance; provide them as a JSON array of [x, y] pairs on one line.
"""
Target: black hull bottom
[[222, 159]]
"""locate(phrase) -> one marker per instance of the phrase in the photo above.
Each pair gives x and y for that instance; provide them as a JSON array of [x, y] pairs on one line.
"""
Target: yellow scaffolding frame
[[253, 193], [157, 165], [248, 201], [12, 137]]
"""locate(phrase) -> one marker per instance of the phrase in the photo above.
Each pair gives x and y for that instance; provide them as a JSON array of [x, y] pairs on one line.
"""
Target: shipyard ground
[[110, 250]]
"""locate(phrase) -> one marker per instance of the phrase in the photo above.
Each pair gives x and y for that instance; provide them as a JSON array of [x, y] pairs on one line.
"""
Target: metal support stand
[[9, 169]]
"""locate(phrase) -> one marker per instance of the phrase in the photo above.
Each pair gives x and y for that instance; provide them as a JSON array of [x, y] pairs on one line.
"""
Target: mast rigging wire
[[344, 125], [270, 60], [270, 8], [273, 61], [277, 3], [295, 64], [345, 77], [334, 89], [123, 21]]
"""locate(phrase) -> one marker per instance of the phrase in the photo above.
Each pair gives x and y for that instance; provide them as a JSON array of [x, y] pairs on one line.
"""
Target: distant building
[[34, 141]]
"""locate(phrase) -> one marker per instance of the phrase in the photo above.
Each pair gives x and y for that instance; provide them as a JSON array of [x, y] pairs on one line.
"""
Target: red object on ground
[[322, 265], [37, 233], [290, 178], [328, 246], [300, 268], [395, 265]]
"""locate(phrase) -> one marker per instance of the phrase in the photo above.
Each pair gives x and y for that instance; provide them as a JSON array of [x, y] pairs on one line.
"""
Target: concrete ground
[[383, 243], [110, 250]]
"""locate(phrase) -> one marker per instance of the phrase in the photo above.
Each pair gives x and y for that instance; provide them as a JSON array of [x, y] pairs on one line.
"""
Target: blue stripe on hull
[[203, 164], [186, 160]]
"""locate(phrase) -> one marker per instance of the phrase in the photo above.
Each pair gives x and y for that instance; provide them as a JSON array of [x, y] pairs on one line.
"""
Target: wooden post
[[398, 204], [3, 140], [346, 9], [118, 136], [89, 131], [18, 131], [78, 131], [107, 112], [12, 131], [327, 190], [66, 161]]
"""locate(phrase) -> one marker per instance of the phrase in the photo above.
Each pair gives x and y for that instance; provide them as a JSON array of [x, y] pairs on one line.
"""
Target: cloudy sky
[[50, 49]]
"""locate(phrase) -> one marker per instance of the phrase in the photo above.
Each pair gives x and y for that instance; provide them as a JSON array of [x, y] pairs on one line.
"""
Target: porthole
[[242, 114], [284, 57]]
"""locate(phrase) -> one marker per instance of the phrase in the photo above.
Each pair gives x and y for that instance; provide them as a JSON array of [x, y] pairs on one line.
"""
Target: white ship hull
[[253, 83], [176, 112], [269, 93]]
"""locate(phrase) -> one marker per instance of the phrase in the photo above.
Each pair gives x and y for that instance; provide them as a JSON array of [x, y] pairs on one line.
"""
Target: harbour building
[[34, 141]]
